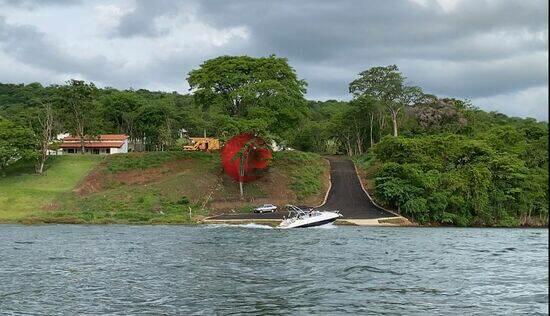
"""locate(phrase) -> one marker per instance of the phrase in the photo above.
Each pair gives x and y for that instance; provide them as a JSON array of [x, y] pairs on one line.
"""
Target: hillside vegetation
[[435, 159], [495, 178], [154, 187]]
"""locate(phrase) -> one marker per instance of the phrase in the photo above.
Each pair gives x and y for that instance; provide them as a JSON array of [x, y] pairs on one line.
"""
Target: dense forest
[[438, 160]]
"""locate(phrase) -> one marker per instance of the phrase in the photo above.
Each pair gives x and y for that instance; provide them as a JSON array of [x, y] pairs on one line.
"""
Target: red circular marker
[[254, 152]]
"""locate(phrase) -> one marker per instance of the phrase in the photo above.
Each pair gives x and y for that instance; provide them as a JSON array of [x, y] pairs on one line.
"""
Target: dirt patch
[[53, 206], [100, 179], [153, 174], [93, 182], [272, 188], [401, 221]]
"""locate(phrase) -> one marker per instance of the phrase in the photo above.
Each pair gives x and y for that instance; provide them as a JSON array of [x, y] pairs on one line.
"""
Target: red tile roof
[[92, 144], [103, 137]]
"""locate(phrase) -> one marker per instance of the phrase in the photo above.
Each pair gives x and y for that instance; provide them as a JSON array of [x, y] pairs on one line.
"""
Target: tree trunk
[[243, 158], [359, 146], [81, 135], [241, 187], [382, 125], [371, 137], [41, 166], [348, 146], [394, 121], [46, 124], [358, 140]]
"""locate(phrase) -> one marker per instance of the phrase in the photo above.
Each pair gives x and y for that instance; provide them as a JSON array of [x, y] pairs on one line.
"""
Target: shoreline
[[269, 222]]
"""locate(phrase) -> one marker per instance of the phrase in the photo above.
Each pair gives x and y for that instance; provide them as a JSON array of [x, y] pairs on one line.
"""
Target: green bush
[[462, 181], [184, 200]]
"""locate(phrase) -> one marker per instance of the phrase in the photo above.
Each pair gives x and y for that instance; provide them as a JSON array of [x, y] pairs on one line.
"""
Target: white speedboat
[[299, 218]]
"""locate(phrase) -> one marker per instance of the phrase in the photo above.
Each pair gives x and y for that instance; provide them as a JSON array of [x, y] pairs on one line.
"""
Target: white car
[[266, 208]]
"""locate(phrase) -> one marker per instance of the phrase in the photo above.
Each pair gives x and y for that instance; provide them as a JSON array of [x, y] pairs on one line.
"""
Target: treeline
[[435, 159], [498, 177], [230, 95]]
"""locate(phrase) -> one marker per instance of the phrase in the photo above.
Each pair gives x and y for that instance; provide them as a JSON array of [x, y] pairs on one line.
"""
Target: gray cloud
[[359, 34], [31, 47], [141, 21], [481, 50], [32, 4]]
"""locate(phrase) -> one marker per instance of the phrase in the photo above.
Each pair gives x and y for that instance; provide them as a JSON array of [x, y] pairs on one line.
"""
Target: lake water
[[70, 269]]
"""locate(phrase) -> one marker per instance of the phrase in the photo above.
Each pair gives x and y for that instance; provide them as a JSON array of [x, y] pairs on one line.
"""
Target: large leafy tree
[[16, 142], [156, 126], [119, 110], [263, 91], [76, 99], [386, 85]]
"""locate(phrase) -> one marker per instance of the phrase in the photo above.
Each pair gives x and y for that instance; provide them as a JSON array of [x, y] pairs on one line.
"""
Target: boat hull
[[304, 222], [320, 223]]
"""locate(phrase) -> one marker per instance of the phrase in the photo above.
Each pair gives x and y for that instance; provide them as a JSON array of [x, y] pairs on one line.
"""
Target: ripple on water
[[255, 269]]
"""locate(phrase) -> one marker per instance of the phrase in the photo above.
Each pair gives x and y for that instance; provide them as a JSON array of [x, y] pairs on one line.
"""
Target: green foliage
[[261, 95], [184, 200], [460, 180], [76, 99], [16, 142], [387, 86]]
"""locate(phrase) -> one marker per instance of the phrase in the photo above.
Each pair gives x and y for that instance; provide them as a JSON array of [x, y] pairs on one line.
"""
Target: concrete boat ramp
[[346, 194]]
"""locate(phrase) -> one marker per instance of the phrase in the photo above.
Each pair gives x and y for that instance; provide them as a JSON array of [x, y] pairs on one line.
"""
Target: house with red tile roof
[[105, 144]]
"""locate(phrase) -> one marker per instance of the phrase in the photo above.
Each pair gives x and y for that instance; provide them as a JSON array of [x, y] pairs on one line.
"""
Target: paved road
[[346, 195]]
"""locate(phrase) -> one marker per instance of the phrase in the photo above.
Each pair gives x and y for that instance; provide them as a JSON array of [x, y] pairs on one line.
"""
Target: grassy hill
[[24, 193], [155, 187]]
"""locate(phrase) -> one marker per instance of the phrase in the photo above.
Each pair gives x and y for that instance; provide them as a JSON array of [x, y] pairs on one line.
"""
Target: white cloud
[[108, 15], [531, 102]]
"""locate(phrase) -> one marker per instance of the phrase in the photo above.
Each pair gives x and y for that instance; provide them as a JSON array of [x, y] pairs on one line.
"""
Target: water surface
[[71, 269]]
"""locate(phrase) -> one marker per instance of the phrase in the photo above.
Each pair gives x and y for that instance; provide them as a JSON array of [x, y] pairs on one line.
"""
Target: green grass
[[161, 201], [23, 193], [132, 161], [305, 170], [177, 194], [128, 204]]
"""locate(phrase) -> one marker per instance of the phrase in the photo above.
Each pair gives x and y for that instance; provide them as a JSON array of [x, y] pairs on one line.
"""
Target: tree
[[16, 142], [156, 126], [262, 89], [46, 121], [76, 99], [386, 85], [119, 108], [438, 115]]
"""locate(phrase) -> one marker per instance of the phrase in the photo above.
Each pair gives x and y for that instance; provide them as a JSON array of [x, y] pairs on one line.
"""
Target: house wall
[[124, 148], [102, 151]]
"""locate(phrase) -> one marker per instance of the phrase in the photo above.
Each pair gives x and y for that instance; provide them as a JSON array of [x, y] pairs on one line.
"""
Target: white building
[[99, 145]]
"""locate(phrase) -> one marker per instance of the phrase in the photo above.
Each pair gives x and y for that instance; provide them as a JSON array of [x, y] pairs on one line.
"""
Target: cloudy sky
[[494, 53]]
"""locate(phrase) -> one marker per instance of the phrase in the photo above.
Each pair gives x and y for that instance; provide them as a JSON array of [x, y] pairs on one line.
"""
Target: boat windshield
[[293, 209]]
